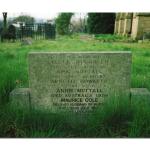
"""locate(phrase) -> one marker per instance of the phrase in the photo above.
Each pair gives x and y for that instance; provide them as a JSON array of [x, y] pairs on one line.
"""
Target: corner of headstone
[[20, 98], [140, 94]]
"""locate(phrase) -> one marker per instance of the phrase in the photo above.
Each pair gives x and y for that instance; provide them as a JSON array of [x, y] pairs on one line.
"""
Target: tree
[[24, 18], [63, 22], [101, 23]]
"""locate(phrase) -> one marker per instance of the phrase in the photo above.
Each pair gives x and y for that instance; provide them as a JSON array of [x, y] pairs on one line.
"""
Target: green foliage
[[24, 18], [101, 23], [63, 22]]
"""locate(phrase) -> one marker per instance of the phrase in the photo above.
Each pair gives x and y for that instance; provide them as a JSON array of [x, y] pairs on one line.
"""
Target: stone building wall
[[127, 24], [135, 26], [132, 24], [121, 24], [116, 23], [140, 25]]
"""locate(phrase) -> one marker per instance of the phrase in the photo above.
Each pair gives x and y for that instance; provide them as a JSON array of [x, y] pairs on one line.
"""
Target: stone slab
[[20, 97], [140, 94], [78, 81]]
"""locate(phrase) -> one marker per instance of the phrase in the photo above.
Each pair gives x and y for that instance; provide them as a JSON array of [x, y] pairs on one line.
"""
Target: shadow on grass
[[114, 119]]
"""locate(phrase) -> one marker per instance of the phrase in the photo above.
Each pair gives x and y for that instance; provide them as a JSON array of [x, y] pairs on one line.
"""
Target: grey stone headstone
[[78, 81], [26, 42]]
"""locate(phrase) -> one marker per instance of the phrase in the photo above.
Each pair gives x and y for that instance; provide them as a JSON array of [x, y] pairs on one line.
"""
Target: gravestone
[[78, 81], [26, 41]]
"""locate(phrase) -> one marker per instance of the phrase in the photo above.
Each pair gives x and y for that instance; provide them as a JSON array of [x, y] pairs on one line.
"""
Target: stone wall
[[116, 23], [140, 25], [119, 23], [123, 23], [127, 24], [135, 25]]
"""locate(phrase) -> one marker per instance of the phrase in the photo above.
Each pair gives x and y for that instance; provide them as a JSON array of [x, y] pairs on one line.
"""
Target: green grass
[[112, 38], [112, 122]]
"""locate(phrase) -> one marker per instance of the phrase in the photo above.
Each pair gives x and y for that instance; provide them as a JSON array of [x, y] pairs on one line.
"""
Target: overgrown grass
[[123, 121], [114, 119], [112, 38]]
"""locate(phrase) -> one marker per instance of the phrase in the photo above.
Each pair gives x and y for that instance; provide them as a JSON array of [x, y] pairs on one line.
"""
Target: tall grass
[[13, 74], [113, 120]]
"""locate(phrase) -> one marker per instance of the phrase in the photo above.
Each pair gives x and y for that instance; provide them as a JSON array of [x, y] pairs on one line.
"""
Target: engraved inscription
[[78, 82]]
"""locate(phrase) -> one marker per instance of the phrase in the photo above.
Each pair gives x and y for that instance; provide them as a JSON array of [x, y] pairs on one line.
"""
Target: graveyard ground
[[115, 120]]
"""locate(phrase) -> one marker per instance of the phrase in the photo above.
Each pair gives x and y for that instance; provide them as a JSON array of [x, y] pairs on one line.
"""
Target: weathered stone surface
[[78, 81], [123, 23], [121, 27], [20, 97], [140, 94], [116, 27], [127, 26], [133, 24]]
